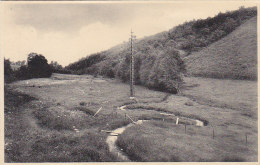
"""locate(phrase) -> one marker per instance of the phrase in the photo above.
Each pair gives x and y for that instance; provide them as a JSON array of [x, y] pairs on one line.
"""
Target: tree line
[[36, 67], [158, 62]]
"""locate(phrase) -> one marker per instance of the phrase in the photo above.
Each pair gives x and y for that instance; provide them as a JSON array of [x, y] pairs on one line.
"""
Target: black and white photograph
[[129, 81]]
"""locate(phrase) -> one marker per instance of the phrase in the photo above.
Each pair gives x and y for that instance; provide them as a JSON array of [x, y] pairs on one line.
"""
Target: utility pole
[[132, 66]]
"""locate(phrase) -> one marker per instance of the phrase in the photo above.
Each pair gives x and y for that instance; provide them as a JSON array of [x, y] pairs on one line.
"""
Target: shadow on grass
[[15, 99]]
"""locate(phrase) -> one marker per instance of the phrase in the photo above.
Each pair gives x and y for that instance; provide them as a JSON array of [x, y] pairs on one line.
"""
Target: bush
[[38, 66], [8, 72], [23, 73], [165, 73], [7, 67], [57, 68]]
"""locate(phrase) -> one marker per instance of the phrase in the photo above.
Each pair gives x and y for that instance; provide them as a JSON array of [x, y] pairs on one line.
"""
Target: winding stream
[[113, 135]]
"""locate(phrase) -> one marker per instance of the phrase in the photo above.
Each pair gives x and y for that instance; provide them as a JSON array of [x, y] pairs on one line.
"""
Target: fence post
[[246, 138], [213, 133], [177, 121]]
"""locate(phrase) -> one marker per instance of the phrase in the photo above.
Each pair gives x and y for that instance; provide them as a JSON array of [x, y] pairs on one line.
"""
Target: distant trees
[[195, 35], [37, 67], [7, 67], [19, 63], [8, 72], [22, 73], [56, 67], [155, 67], [86, 62], [157, 60]]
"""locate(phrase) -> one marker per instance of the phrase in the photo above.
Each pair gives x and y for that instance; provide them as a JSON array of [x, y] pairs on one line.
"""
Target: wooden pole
[[246, 139], [131, 66], [98, 111], [213, 133], [130, 118]]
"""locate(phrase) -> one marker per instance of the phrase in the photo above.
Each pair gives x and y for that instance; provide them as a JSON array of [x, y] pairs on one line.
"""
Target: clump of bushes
[[57, 68], [37, 67], [8, 72]]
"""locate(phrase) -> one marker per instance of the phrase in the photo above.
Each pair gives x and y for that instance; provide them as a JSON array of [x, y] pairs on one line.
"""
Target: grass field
[[234, 56], [229, 106], [52, 120]]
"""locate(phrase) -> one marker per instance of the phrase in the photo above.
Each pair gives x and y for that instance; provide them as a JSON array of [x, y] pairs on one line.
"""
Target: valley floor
[[53, 120]]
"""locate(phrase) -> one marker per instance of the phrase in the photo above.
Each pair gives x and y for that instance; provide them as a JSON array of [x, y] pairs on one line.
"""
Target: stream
[[113, 135]]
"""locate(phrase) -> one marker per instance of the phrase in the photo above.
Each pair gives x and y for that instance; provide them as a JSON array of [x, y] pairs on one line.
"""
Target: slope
[[159, 58], [234, 56]]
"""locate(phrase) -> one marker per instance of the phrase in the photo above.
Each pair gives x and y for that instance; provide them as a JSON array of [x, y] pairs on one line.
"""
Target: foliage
[[232, 57], [57, 68], [86, 62], [8, 72], [7, 67], [38, 66], [164, 75], [158, 58], [22, 73], [195, 35]]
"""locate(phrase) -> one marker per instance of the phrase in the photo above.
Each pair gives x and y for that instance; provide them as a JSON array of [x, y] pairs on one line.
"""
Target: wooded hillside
[[159, 58]]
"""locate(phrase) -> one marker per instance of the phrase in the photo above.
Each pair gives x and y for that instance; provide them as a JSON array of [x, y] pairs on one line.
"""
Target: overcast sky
[[67, 31]]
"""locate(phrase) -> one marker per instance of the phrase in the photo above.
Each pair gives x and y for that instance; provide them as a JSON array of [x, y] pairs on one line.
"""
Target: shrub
[[38, 66], [7, 67], [165, 74], [8, 72], [22, 73]]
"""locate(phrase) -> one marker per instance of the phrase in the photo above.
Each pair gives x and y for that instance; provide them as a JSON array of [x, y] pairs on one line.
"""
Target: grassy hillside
[[234, 56], [158, 58]]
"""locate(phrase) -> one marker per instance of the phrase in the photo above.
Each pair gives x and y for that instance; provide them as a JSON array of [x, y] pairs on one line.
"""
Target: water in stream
[[112, 138]]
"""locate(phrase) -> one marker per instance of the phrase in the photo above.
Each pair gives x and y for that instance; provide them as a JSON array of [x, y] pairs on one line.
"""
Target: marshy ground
[[52, 120]]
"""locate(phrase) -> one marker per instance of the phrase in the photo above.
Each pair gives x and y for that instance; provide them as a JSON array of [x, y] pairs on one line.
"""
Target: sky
[[67, 31]]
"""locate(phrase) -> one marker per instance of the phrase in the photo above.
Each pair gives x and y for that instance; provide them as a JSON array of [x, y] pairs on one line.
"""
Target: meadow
[[54, 120]]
